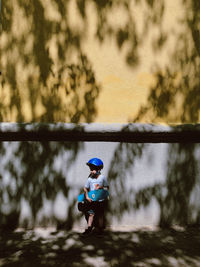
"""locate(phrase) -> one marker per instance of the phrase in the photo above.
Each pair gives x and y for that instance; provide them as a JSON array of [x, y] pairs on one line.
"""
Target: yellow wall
[[38, 41], [126, 88]]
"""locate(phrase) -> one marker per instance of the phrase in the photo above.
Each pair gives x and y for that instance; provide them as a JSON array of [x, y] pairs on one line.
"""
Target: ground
[[123, 246]]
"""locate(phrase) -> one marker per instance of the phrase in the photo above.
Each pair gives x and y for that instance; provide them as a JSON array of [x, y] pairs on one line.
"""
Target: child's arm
[[105, 184], [86, 194], [97, 186]]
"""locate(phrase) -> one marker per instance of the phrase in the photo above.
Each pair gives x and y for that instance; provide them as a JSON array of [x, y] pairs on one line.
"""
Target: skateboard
[[95, 195]]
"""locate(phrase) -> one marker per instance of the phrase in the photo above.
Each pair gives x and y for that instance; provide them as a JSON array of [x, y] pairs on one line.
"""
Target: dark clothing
[[94, 207], [98, 208]]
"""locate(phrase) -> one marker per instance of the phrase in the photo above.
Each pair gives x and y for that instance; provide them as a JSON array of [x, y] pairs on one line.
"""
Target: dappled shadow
[[46, 72], [45, 58], [176, 191], [46, 76], [121, 165], [178, 195], [174, 97], [174, 94], [34, 174], [133, 248]]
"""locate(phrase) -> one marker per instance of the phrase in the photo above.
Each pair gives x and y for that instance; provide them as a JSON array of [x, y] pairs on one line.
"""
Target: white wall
[[150, 184]]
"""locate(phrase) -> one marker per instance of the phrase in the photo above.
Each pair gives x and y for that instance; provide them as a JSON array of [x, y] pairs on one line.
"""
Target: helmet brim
[[94, 166]]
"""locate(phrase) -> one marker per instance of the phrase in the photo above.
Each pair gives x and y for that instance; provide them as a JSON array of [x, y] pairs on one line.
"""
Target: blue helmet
[[96, 162]]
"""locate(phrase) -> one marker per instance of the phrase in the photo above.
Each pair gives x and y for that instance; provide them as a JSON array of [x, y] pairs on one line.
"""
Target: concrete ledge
[[129, 133]]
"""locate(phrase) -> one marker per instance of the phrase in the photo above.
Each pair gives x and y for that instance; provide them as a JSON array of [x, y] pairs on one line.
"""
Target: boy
[[95, 181]]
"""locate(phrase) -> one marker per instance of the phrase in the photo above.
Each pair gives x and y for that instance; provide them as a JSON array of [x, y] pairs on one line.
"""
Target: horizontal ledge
[[128, 133]]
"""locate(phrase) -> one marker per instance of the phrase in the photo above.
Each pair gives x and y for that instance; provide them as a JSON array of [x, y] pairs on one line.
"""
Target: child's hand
[[89, 199], [97, 186]]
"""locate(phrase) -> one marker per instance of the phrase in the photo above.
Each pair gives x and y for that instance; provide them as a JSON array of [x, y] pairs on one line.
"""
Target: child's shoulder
[[101, 176]]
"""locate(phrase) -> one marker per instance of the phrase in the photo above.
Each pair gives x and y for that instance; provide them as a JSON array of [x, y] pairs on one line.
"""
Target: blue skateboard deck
[[96, 195]]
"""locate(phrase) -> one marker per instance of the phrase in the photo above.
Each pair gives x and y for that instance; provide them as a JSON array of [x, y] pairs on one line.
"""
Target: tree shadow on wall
[[177, 193], [178, 197], [33, 174], [46, 57], [174, 94], [46, 76], [173, 98]]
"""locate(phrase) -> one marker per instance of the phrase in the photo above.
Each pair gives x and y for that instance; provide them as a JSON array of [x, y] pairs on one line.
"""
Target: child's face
[[93, 171]]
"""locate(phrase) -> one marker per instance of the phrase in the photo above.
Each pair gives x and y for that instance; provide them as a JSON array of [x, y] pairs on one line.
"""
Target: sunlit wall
[[103, 61]]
